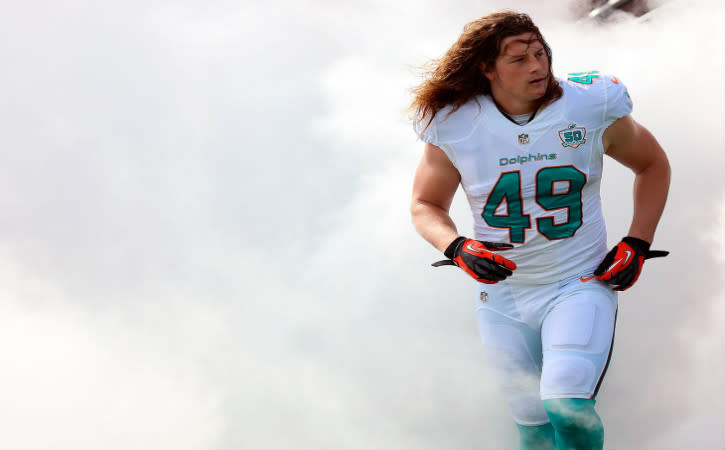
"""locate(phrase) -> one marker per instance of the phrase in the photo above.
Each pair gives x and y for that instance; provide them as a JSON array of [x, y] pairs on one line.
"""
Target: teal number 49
[[508, 189]]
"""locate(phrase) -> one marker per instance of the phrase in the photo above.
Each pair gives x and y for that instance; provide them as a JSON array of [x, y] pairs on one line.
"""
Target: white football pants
[[546, 341]]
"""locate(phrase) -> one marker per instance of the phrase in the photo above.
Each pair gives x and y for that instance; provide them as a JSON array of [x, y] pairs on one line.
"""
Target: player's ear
[[487, 71]]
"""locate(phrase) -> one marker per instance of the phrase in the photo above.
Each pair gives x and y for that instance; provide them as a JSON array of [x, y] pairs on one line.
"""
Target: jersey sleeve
[[426, 132], [429, 135], [618, 103]]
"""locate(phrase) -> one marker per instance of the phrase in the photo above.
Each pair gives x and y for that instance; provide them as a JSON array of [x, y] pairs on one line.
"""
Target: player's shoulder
[[597, 92], [451, 125]]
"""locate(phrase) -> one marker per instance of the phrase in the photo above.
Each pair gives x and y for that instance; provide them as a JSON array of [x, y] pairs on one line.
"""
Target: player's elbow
[[418, 209], [422, 210], [659, 165], [654, 161], [666, 168]]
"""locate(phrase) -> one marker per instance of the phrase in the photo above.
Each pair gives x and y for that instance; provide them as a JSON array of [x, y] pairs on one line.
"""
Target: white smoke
[[206, 238]]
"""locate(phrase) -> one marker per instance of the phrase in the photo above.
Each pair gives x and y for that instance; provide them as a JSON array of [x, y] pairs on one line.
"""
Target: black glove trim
[[641, 244], [450, 251], [637, 243]]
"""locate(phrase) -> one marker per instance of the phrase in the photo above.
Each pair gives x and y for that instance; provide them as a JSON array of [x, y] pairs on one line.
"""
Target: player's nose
[[536, 65]]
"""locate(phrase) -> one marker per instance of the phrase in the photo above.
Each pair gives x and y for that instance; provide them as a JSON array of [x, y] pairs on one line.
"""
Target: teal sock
[[576, 424], [540, 437]]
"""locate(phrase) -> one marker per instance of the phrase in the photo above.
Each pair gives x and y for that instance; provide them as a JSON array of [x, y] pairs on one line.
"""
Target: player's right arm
[[434, 186]]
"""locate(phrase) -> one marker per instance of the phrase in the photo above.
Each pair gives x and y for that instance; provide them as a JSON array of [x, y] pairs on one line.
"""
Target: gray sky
[[206, 241]]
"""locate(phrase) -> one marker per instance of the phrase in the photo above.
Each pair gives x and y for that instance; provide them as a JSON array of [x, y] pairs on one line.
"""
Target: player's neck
[[518, 118], [514, 107]]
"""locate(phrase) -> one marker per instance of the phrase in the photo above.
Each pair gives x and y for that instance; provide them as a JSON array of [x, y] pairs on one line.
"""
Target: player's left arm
[[634, 146]]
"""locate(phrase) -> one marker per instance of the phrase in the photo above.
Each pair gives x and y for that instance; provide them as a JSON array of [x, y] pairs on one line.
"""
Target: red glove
[[623, 264], [477, 260]]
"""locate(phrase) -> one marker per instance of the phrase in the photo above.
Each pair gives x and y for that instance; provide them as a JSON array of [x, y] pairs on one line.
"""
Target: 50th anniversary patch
[[573, 136]]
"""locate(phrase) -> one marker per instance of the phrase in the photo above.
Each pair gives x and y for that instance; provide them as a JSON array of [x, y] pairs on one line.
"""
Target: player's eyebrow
[[528, 42]]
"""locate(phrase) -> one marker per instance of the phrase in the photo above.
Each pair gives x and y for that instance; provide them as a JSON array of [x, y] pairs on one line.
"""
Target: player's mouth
[[538, 81]]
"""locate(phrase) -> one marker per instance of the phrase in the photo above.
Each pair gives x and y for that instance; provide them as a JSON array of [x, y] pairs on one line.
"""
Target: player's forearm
[[434, 224], [650, 195]]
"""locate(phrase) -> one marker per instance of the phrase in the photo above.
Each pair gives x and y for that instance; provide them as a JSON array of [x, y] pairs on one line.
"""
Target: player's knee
[[522, 395], [527, 409], [572, 375]]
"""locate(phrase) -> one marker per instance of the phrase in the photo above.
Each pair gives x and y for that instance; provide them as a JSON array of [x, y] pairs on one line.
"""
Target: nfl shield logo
[[523, 138], [484, 296]]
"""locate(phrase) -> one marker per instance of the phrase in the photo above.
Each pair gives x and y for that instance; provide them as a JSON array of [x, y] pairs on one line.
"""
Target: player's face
[[521, 74]]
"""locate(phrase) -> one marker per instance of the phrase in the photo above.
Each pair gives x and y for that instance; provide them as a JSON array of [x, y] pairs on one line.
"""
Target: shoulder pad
[[604, 93], [453, 126], [426, 130], [448, 127]]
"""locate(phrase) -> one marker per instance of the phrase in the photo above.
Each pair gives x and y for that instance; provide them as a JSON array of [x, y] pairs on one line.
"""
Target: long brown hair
[[456, 78]]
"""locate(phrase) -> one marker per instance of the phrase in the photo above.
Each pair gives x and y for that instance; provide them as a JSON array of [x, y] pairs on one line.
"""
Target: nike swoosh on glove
[[477, 259], [623, 264]]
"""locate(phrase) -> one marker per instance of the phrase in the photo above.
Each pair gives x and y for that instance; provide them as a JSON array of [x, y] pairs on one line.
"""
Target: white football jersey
[[536, 186]]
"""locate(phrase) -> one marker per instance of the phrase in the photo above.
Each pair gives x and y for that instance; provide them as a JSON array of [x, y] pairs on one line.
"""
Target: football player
[[527, 149]]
